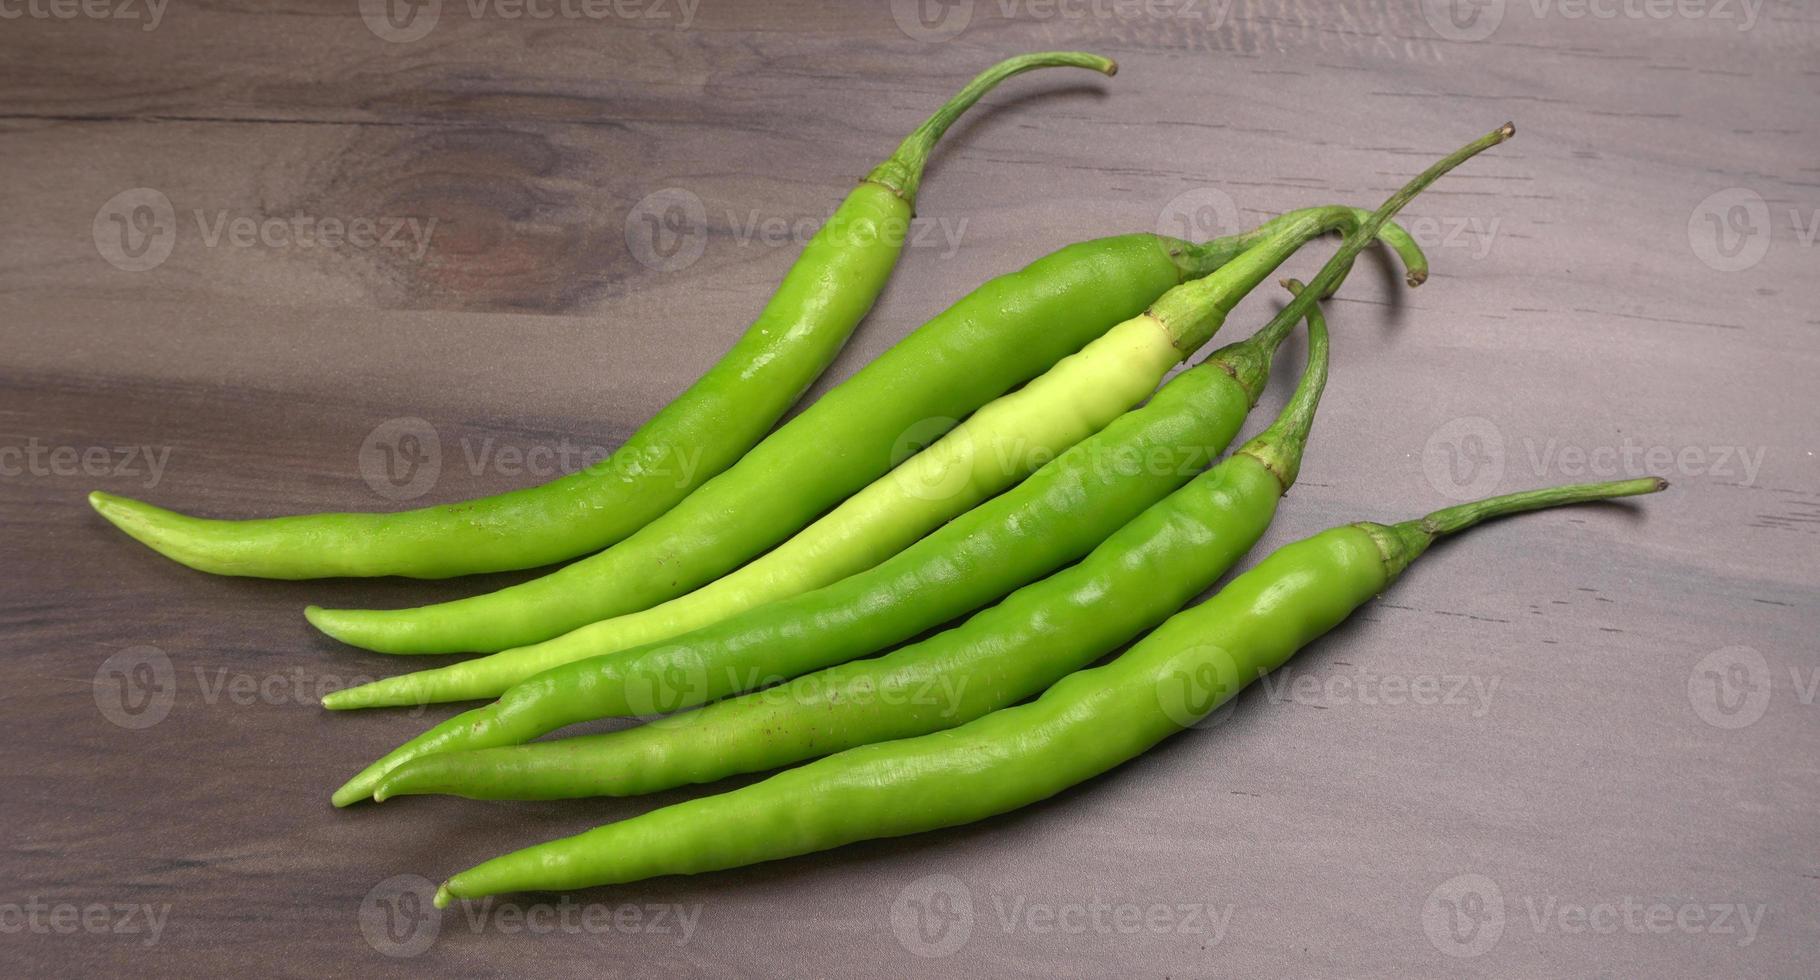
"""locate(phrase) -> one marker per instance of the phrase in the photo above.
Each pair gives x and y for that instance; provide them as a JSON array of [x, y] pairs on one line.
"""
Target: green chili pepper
[[994, 448], [1000, 335], [1054, 517], [1087, 723], [1134, 580], [706, 429]]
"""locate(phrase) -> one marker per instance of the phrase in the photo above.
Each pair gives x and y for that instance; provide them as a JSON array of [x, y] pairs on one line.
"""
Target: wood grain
[[1581, 315]]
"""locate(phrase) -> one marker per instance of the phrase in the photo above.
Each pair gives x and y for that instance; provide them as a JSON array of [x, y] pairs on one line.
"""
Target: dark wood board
[[1614, 772]]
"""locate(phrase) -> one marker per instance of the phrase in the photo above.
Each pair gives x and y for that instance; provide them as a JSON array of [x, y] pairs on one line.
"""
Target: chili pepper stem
[[1194, 311], [1279, 447], [1197, 260], [1405, 542], [902, 174], [1248, 360]]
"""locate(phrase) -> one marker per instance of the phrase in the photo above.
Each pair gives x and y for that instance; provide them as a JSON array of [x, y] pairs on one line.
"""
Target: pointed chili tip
[[443, 896]]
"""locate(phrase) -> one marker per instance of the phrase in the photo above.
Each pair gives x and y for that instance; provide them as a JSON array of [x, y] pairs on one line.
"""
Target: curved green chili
[[994, 448], [1134, 580], [706, 429], [1002, 334], [1085, 724], [1054, 517]]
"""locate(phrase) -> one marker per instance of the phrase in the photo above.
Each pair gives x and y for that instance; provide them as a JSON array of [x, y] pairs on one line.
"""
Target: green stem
[[1249, 360], [1280, 446], [1194, 311], [1198, 260], [903, 172], [1405, 542]]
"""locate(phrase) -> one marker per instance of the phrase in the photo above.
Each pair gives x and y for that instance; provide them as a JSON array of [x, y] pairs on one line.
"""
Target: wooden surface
[[1603, 719]]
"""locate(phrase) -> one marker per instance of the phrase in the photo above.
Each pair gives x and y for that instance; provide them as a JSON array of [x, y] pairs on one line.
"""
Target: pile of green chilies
[[746, 613]]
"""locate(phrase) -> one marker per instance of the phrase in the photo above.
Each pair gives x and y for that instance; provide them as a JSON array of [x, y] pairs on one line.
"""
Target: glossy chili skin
[[706, 429], [667, 677], [703, 431], [1134, 580], [1086, 723], [994, 448], [1056, 516], [1002, 334], [1128, 584]]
